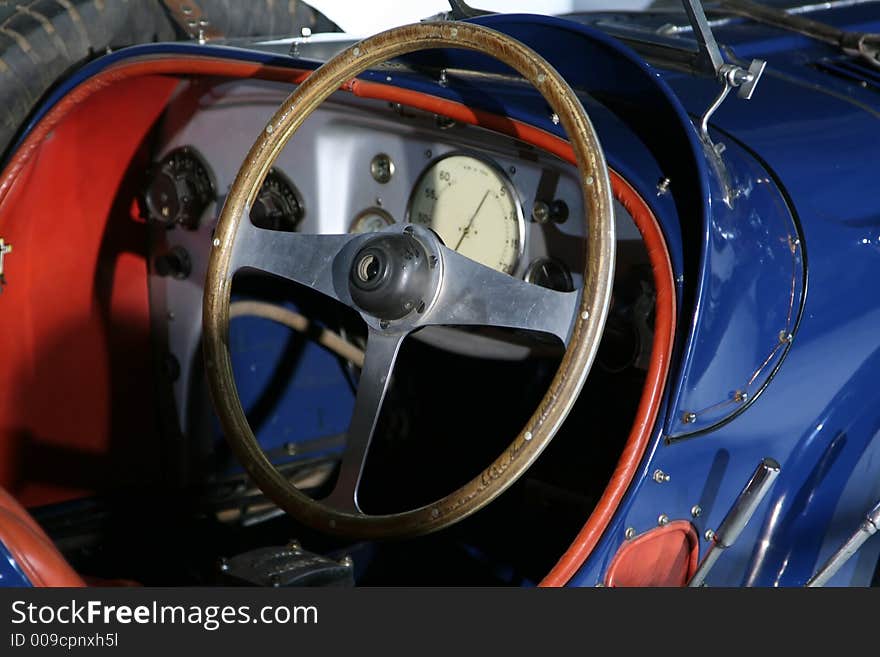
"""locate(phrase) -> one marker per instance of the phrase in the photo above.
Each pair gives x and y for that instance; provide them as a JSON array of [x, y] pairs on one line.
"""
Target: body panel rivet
[[661, 477], [663, 520], [696, 510]]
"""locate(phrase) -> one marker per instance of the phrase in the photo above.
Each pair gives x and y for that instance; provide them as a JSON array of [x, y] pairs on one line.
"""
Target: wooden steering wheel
[[402, 279]]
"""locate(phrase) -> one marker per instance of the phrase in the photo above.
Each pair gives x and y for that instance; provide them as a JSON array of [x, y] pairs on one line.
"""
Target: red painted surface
[[76, 413]]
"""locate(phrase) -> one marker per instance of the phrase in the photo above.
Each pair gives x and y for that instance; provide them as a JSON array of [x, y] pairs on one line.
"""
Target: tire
[[42, 40]]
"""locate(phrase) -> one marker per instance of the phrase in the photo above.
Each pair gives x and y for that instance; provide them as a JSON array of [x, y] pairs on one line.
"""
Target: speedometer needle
[[470, 223]]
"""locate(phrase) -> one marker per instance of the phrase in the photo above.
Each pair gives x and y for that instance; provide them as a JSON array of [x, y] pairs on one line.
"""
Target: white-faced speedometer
[[473, 206]]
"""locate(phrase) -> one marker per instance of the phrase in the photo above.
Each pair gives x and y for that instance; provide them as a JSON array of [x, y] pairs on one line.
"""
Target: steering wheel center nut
[[390, 276]]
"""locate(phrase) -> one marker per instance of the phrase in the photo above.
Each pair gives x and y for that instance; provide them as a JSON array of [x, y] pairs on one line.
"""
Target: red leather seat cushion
[[31, 548]]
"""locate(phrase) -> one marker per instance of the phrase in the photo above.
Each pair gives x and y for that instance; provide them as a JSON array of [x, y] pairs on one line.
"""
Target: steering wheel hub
[[390, 276]]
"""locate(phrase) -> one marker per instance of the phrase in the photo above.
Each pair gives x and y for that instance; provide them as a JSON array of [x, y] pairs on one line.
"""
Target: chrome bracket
[[711, 62], [5, 249]]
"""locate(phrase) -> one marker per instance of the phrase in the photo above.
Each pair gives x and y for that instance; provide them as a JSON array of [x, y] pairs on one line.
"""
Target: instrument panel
[[358, 165]]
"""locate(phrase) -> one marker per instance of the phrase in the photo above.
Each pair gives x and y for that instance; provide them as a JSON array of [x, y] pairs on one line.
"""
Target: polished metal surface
[[458, 300], [738, 517], [5, 250], [865, 531], [382, 350], [709, 58]]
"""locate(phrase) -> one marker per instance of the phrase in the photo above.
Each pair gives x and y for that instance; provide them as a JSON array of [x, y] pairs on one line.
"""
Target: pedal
[[287, 565]]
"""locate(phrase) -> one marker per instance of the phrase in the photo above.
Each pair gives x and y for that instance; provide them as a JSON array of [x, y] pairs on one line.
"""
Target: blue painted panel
[[819, 416], [292, 389], [751, 287], [10, 573]]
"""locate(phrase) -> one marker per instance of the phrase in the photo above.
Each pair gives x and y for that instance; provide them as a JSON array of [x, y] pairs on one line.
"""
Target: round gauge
[[180, 189], [277, 206], [370, 220], [473, 207], [548, 272]]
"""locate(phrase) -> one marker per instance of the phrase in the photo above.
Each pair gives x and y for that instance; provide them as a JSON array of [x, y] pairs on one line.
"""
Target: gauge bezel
[[505, 180], [285, 179], [529, 275], [185, 149], [371, 210]]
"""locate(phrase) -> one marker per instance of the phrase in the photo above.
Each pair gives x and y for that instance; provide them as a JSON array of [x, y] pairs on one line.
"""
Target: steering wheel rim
[[586, 325]]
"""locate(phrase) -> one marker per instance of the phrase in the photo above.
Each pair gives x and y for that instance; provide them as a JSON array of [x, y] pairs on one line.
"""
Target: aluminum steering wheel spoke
[[473, 294], [301, 258], [381, 355]]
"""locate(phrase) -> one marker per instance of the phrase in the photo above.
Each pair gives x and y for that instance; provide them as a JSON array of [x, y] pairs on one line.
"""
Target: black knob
[[175, 263], [180, 190]]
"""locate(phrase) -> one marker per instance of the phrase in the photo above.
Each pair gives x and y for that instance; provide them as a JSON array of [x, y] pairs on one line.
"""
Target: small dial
[[278, 206], [371, 220], [180, 189], [550, 273], [473, 207]]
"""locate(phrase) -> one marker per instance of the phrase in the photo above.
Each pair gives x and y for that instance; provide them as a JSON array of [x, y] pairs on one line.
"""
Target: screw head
[[696, 511], [346, 562], [710, 534], [381, 168], [689, 417], [663, 520], [661, 477], [629, 533], [540, 212]]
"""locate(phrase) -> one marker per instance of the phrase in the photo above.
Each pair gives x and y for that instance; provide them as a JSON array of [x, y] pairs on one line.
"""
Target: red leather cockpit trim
[[664, 327], [664, 556], [32, 550]]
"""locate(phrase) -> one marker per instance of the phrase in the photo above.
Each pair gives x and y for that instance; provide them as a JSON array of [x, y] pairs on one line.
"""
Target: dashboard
[[356, 165]]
